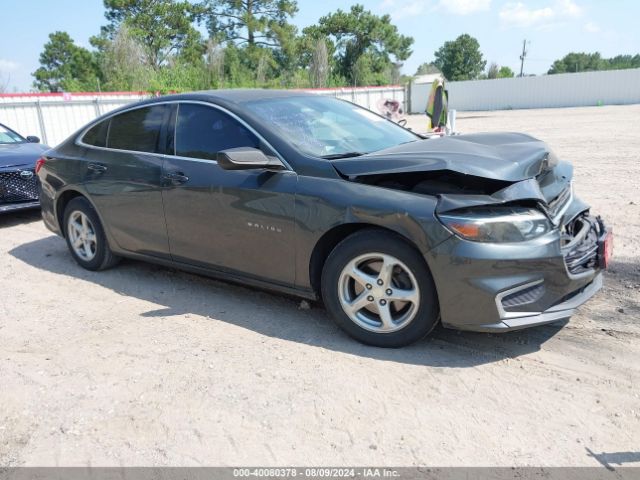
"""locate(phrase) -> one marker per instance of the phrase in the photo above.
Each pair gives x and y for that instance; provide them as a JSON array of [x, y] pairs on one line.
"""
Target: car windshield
[[329, 128], [9, 136]]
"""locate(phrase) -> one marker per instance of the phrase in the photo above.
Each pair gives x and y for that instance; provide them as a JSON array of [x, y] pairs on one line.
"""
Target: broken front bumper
[[561, 311], [501, 287]]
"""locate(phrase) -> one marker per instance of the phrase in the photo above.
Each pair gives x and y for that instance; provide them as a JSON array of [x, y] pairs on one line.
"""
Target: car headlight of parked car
[[498, 225]]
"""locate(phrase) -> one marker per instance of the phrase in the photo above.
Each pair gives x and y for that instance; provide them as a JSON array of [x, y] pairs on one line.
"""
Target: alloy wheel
[[379, 292], [82, 236]]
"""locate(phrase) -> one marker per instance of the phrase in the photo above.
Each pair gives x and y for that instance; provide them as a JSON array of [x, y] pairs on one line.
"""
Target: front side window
[[9, 136], [202, 132], [326, 127], [138, 130]]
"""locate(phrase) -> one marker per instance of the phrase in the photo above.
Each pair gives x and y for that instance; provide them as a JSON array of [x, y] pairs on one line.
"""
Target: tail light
[[39, 164]]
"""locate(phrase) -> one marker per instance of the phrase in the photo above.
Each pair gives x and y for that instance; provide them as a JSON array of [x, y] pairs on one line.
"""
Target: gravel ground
[[143, 365]]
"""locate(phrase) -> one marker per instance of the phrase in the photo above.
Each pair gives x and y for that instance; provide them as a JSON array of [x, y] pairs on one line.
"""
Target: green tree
[[623, 61], [505, 72], [255, 22], [124, 64], [578, 62], [319, 65], [261, 29], [426, 69], [287, 54], [493, 71], [163, 27], [496, 71], [236, 71], [460, 59], [364, 44], [66, 66], [586, 62], [214, 63]]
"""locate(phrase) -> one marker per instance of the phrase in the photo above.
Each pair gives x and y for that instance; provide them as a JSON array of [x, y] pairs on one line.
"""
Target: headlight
[[498, 225]]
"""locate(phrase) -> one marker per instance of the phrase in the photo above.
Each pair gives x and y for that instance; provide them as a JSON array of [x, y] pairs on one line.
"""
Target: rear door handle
[[176, 178], [96, 167]]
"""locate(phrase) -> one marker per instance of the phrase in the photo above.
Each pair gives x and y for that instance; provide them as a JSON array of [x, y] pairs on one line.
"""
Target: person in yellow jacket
[[437, 106]]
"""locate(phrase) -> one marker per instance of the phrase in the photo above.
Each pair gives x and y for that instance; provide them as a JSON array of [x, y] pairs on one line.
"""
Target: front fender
[[323, 204]]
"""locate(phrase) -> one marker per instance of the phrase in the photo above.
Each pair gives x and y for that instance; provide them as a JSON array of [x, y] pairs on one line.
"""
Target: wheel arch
[[332, 237], [61, 204]]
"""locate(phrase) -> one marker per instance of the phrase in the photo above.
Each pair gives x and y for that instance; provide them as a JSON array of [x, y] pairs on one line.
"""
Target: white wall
[[366, 97], [612, 87], [55, 116]]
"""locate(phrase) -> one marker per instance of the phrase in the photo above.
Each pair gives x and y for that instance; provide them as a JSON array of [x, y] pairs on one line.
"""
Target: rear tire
[[379, 290], [85, 236]]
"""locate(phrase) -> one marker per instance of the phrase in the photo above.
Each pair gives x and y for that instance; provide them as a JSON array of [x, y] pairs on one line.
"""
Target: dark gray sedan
[[18, 182], [319, 198]]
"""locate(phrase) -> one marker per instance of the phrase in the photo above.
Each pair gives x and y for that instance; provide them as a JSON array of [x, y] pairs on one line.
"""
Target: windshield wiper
[[335, 156]]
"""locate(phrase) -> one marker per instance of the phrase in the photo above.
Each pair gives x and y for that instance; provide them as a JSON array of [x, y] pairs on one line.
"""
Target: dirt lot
[[142, 365]]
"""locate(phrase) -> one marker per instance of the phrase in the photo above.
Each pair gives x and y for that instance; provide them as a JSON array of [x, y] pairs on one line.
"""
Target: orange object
[[468, 230]]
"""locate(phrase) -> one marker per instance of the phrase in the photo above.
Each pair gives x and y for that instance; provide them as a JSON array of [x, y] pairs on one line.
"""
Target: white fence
[[611, 87], [55, 116], [367, 97]]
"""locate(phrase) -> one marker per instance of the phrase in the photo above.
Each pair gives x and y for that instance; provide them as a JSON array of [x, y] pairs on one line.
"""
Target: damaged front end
[[524, 250], [525, 255]]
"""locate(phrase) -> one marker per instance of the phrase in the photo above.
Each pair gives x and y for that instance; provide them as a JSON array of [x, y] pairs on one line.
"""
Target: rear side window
[[138, 130], [97, 135], [201, 132]]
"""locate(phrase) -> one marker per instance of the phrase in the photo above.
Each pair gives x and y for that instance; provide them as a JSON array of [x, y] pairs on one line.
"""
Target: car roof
[[239, 95], [231, 98]]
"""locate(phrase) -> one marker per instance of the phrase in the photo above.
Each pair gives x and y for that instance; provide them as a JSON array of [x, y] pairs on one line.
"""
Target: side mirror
[[247, 158], [33, 139]]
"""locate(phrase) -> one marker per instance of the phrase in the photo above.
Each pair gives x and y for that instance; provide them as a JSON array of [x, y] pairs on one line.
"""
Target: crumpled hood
[[509, 157], [20, 154]]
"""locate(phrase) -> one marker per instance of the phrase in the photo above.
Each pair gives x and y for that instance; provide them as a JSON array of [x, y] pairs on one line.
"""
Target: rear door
[[124, 174], [233, 220]]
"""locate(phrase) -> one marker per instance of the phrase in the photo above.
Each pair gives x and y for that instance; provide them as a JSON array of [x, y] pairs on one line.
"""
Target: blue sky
[[553, 27]]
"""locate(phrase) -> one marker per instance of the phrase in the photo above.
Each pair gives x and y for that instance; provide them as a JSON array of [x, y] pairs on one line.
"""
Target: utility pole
[[524, 54]]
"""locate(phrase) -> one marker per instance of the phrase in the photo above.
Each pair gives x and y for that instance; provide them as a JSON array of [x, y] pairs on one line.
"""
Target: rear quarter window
[[138, 130], [97, 135]]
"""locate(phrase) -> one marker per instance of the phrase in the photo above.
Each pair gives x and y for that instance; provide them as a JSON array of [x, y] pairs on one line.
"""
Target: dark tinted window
[[97, 135], [138, 130], [201, 132]]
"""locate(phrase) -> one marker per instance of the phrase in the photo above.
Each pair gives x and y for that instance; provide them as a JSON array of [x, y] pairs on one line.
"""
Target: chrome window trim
[[78, 140]]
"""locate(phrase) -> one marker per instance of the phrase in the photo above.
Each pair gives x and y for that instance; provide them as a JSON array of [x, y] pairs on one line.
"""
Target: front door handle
[[97, 167], [176, 178]]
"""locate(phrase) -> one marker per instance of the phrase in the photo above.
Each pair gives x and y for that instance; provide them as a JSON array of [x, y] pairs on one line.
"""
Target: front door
[[240, 220]]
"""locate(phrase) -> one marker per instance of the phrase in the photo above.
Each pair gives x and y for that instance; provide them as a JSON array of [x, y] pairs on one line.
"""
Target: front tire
[[379, 290], [85, 236]]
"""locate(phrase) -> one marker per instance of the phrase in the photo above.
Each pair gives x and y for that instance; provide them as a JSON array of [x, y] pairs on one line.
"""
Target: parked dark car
[[18, 182], [320, 198]]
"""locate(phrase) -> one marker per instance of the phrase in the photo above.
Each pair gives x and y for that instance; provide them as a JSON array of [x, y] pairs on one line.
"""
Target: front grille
[[16, 188], [580, 244], [524, 297]]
